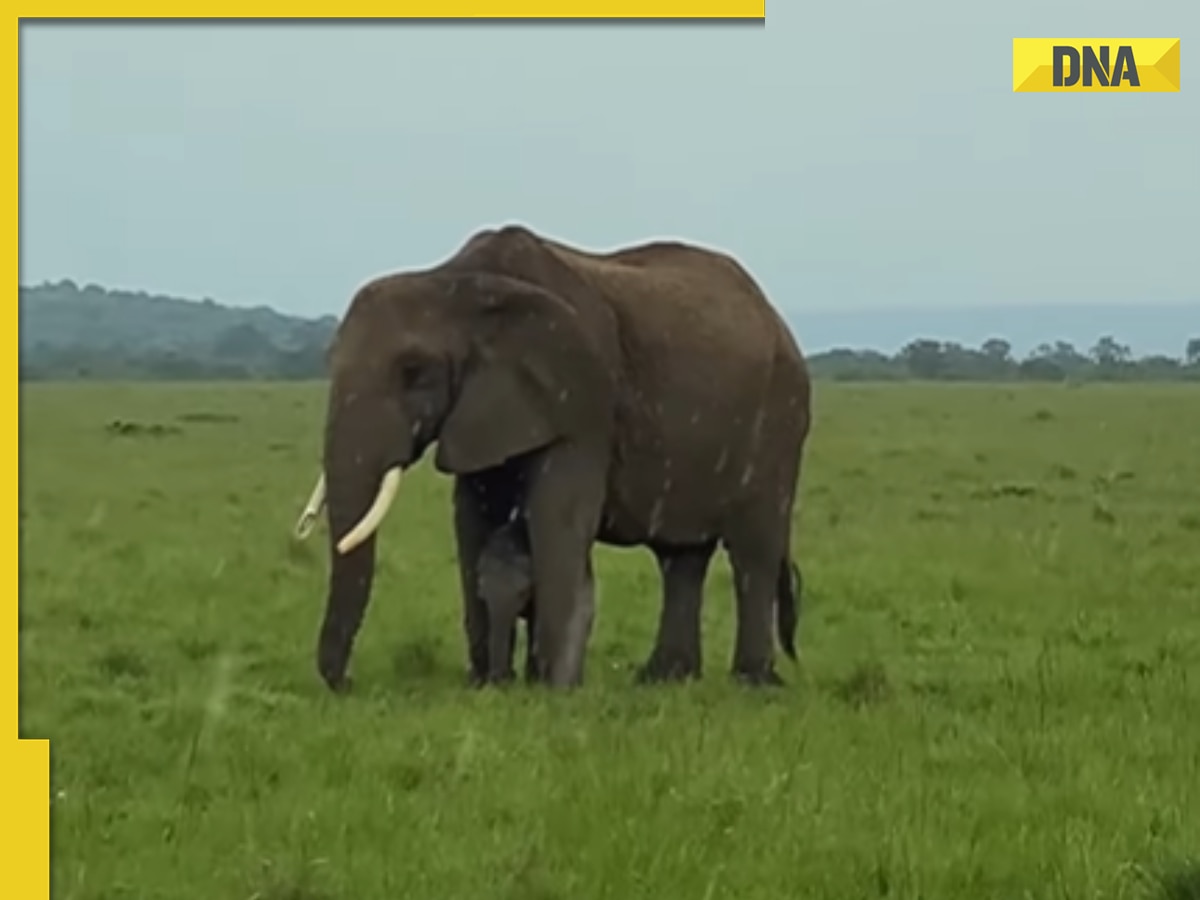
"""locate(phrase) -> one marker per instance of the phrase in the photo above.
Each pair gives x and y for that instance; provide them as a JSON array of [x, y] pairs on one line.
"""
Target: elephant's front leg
[[472, 525], [563, 504]]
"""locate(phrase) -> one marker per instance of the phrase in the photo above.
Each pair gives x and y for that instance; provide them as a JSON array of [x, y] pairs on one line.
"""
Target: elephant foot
[[763, 675], [476, 679], [668, 667]]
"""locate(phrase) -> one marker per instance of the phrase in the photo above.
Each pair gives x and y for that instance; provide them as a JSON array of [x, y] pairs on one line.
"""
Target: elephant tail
[[790, 587]]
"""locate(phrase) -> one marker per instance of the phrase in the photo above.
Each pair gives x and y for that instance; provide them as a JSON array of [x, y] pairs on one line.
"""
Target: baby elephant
[[505, 575]]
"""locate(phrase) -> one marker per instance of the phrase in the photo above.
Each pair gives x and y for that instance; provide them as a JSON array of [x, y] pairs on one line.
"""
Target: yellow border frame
[[442, 9], [26, 763]]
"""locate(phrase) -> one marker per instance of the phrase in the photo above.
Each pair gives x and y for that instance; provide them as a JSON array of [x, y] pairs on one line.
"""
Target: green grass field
[[999, 695]]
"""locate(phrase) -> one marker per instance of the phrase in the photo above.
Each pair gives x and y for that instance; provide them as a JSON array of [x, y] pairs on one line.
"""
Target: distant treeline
[[930, 360], [68, 332]]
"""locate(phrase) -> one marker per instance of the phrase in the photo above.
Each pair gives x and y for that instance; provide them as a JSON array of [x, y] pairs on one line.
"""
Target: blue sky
[[854, 156]]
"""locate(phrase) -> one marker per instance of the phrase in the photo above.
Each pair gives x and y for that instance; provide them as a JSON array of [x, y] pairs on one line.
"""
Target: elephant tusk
[[308, 518], [367, 525]]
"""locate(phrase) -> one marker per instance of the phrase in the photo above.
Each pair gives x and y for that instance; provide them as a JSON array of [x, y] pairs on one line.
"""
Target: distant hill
[[69, 332]]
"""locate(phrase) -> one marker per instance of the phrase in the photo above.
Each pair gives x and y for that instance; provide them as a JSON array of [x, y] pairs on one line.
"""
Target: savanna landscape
[[998, 692]]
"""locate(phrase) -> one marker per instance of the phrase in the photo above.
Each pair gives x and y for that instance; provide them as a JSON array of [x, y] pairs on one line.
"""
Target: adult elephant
[[647, 396]]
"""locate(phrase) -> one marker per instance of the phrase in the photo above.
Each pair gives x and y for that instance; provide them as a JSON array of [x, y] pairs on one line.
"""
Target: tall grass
[[999, 695]]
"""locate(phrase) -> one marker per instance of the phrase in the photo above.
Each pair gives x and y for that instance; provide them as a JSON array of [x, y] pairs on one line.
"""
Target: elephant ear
[[536, 374]]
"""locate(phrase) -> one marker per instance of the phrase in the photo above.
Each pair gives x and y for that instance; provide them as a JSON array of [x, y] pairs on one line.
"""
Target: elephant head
[[488, 366]]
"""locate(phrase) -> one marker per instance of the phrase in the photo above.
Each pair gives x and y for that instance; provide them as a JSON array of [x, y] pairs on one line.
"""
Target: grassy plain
[[999, 698]]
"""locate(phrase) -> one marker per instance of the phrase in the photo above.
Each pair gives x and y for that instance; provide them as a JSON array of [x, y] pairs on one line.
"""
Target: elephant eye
[[417, 373]]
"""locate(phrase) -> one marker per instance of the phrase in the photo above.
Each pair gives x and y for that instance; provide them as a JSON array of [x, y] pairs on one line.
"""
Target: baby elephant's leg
[[531, 666], [500, 650], [506, 585]]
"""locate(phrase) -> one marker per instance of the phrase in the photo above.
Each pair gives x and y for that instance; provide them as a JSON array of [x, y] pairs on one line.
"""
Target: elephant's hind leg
[[755, 564], [676, 655]]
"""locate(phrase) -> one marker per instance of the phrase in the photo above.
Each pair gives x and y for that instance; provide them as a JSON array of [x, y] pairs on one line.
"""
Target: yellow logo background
[[1157, 64]]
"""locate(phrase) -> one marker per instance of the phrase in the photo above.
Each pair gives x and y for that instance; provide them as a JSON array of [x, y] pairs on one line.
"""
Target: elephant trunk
[[350, 579], [360, 485]]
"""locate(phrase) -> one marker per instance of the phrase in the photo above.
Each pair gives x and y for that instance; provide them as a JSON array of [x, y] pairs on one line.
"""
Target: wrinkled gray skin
[[506, 589], [649, 396]]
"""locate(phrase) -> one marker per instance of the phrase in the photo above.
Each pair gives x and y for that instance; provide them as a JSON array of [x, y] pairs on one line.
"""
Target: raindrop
[[99, 514], [747, 475], [656, 516], [218, 697], [722, 460]]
